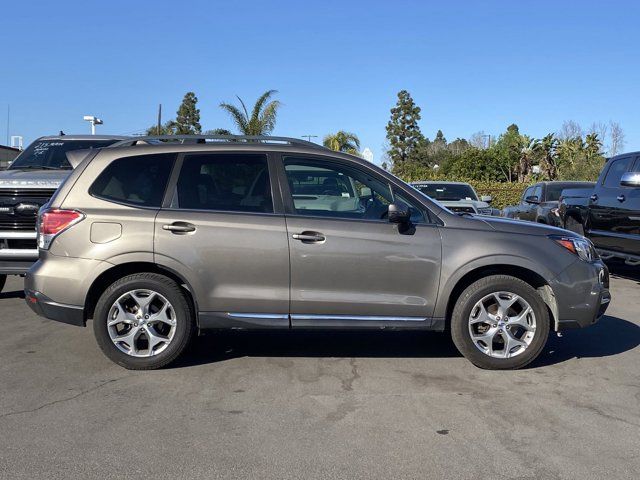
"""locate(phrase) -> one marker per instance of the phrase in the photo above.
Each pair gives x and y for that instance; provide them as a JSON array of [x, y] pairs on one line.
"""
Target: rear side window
[[226, 182], [614, 174], [138, 181]]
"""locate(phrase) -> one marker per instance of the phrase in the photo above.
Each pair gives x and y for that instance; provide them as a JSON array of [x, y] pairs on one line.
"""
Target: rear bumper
[[45, 307], [582, 294]]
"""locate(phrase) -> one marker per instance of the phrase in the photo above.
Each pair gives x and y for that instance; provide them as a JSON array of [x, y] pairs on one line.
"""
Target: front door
[[350, 267], [222, 234]]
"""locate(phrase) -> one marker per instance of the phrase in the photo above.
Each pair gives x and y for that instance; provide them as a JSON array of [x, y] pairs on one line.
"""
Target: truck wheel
[[574, 225], [3, 280], [500, 322], [143, 321]]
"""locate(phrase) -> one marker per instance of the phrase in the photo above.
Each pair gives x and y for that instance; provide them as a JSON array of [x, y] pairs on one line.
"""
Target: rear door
[[222, 229], [609, 214], [350, 267]]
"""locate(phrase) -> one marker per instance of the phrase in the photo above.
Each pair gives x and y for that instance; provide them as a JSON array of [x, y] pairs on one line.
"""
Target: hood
[[509, 225], [27, 179]]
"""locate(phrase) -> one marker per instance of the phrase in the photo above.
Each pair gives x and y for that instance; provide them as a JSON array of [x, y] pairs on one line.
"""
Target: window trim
[[611, 162], [287, 198], [135, 205], [172, 185]]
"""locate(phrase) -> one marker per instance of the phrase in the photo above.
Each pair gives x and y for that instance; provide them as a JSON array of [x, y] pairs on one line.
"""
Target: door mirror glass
[[486, 198], [630, 179], [532, 199], [399, 213]]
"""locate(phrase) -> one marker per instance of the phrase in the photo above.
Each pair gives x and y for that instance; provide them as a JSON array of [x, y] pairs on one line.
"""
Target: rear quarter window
[[138, 181]]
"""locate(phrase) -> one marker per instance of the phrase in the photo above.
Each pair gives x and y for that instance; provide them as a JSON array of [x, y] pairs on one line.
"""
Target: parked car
[[609, 214], [158, 242], [457, 197], [27, 185], [539, 202]]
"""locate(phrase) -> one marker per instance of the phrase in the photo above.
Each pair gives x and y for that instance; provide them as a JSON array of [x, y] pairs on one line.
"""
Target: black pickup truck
[[609, 213]]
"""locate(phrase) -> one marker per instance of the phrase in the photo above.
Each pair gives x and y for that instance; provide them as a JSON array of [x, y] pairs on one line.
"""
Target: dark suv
[[157, 242]]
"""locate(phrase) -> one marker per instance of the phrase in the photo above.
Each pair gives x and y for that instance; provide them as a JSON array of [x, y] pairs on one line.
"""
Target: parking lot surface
[[320, 405]]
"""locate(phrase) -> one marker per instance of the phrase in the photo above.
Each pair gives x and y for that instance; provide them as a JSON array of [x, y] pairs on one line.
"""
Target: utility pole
[[309, 137], [159, 119], [8, 119]]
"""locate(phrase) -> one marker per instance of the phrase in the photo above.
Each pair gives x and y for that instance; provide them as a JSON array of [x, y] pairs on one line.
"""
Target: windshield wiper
[[38, 167]]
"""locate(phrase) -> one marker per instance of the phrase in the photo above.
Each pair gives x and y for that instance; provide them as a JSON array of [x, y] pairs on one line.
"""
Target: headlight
[[579, 246], [485, 211]]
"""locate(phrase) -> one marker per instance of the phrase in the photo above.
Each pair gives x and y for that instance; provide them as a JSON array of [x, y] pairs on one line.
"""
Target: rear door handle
[[309, 237], [179, 227], [594, 198], [621, 198]]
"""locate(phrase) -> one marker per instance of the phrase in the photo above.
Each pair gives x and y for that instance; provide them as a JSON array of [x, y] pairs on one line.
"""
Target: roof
[[437, 182], [83, 137], [6, 147]]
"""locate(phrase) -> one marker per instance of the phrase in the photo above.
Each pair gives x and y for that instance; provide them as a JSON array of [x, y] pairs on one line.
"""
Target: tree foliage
[[188, 116], [342, 141], [403, 131], [261, 120]]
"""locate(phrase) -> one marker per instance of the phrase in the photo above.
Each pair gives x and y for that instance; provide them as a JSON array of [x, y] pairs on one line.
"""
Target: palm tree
[[549, 157], [262, 120], [342, 141]]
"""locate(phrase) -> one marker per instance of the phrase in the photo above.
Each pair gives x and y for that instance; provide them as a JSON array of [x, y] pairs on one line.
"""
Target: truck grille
[[19, 208]]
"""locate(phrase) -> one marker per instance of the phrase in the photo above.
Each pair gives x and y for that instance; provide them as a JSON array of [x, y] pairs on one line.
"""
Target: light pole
[[309, 137], [94, 121]]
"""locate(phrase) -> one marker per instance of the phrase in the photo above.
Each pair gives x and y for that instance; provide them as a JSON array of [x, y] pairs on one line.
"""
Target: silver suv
[[157, 242]]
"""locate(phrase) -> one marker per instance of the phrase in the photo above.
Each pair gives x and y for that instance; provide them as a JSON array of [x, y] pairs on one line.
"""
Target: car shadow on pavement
[[610, 336], [618, 268], [227, 345], [12, 294]]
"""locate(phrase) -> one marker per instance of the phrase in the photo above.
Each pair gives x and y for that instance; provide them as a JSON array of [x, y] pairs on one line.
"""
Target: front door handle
[[309, 237], [179, 228], [621, 198], [594, 198]]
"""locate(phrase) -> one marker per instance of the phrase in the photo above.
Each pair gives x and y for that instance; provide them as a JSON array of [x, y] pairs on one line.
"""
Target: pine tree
[[188, 116], [403, 131]]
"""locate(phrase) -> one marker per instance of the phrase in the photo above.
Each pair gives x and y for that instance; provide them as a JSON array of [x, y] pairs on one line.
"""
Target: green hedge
[[503, 193]]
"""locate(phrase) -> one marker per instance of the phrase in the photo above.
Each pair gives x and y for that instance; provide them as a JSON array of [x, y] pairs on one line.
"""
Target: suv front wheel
[[500, 322], [143, 321]]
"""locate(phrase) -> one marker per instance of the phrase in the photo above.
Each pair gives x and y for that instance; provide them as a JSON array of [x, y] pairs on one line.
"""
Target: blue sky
[[471, 66]]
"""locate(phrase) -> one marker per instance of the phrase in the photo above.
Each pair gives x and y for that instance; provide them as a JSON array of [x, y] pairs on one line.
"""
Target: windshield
[[51, 154], [554, 190], [448, 192]]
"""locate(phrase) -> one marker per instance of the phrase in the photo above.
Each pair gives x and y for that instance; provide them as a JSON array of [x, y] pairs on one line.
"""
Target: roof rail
[[190, 139]]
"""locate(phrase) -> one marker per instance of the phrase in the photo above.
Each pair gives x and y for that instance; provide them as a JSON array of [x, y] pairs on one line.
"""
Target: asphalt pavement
[[321, 405]]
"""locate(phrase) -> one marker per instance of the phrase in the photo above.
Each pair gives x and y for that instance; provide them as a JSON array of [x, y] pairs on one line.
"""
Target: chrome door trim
[[264, 316], [358, 318]]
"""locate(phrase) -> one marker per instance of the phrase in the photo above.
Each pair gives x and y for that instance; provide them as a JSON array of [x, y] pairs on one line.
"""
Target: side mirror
[[486, 198], [399, 213], [532, 199], [630, 179]]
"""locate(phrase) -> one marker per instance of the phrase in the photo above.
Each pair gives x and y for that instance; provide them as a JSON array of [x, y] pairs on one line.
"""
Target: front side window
[[328, 189], [527, 193], [537, 192], [616, 169], [227, 182], [139, 180]]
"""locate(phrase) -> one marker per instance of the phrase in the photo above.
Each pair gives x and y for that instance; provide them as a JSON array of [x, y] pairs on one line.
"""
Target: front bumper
[[582, 294], [18, 251], [45, 307]]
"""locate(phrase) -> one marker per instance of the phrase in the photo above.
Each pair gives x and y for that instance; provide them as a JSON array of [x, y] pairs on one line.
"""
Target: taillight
[[53, 222]]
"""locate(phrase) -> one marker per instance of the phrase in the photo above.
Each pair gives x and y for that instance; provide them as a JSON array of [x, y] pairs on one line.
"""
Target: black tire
[[474, 293], [574, 225], [185, 320], [3, 281]]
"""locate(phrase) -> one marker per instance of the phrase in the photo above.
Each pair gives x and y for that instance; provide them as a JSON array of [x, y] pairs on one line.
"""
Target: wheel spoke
[[154, 339], [143, 302], [521, 319], [163, 315], [483, 316], [122, 316], [505, 304], [486, 338], [510, 342], [129, 338]]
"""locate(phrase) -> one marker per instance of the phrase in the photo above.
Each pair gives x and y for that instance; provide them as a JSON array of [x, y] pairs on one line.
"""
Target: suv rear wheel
[[143, 321], [500, 322]]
